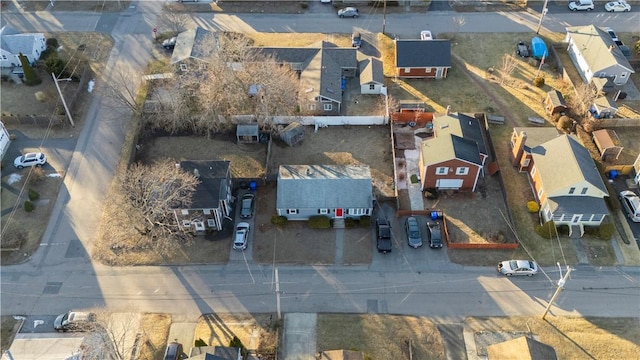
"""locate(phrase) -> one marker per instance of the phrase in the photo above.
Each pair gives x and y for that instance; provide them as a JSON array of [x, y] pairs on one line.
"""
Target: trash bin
[[613, 174], [252, 186]]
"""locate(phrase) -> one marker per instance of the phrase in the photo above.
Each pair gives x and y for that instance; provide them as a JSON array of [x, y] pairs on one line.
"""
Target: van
[[74, 321]]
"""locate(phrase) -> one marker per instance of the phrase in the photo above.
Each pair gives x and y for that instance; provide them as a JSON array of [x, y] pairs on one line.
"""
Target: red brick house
[[454, 158], [423, 59]]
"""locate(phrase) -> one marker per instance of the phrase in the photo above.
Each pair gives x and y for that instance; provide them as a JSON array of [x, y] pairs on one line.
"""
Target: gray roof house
[[212, 199], [371, 76], [323, 70], [194, 44], [427, 59], [563, 177], [596, 55], [336, 191], [12, 43]]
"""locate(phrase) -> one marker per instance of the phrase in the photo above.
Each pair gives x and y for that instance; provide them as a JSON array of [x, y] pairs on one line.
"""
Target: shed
[[608, 144], [411, 105], [554, 103], [292, 134], [523, 348], [603, 107], [247, 133]]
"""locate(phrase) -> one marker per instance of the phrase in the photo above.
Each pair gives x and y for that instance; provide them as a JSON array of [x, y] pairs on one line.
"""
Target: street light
[[542, 14]]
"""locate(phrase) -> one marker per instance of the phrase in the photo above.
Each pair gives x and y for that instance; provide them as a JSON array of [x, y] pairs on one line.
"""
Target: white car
[[631, 204], [348, 12], [426, 35], [586, 5], [518, 267], [617, 6], [241, 237], [30, 159]]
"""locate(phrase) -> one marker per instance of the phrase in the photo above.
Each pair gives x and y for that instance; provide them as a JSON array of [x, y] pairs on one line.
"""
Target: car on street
[[631, 204], [426, 35], [246, 210], [74, 321], [582, 5], [356, 40], [414, 237], [434, 234], [522, 49], [617, 6], [518, 267], [348, 12], [383, 234], [30, 159], [241, 237]]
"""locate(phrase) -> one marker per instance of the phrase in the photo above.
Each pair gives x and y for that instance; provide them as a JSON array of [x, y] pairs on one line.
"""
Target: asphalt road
[[60, 275]]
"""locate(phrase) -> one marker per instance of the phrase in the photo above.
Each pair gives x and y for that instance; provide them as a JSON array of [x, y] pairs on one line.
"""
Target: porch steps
[[338, 223]]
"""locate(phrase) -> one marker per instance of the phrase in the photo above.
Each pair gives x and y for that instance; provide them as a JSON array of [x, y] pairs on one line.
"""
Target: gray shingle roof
[[461, 125], [538, 135], [212, 174], [577, 205], [423, 53], [371, 71], [20, 43], [324, 186], [598, 48], [195, 43]]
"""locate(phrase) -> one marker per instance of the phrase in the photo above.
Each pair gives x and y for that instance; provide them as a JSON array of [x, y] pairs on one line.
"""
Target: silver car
[[518, 267], [241, 237], [414, 237], [348, 12], [631, 204], [30, 159]]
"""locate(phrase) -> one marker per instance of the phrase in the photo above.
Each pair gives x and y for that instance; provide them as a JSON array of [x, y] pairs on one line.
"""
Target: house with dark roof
[[564, 179], [193, 48], [454, 158], [336, 191], [423, 59], [323, 69], [371, 76], [212, 199], [596, 55], [13, 43]]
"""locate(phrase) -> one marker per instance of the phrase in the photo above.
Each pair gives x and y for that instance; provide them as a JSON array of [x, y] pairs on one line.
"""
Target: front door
[[338, 213]]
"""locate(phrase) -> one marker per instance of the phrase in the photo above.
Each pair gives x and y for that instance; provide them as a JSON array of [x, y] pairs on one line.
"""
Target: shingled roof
[[423, 53]]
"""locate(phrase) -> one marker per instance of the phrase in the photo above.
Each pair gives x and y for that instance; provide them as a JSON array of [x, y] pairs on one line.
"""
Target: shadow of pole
[[571, 340]]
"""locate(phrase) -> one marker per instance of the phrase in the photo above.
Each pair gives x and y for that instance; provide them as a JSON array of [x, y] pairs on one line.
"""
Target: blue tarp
[[538, 48]]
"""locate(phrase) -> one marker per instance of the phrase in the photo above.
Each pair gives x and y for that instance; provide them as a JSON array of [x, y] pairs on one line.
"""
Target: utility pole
[[561, 283], [384, 15], [64, 103], [278, 296], [542, 14]]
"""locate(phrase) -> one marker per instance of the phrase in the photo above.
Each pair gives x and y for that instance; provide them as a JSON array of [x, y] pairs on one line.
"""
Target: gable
[[371, 71], [448, 147], [598, 49], [423, 53], [461, 125]]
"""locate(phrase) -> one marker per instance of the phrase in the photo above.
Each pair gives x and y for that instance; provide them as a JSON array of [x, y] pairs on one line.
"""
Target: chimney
[[517, 152], [611, 47]]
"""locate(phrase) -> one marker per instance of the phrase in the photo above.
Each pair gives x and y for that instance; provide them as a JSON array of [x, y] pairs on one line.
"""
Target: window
[[462, 171], [442, 171], [407, 70], [533, 171], [184, 212], [372, 86], [540, 192], [4, 57], [357, 211], [183, 67], [211, 223], [572, 190], [312, 106], [526, 162], [186, 223], [207, 211], [584, 191], [323, 211], [292, 211], [328, 107]]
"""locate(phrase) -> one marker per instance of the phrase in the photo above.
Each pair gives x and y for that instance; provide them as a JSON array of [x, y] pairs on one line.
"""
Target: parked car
[[586, 5], [348, 12], [631, 204], [518, 267], [414, 237], [241, 237], [356, 40], [522, 49], [383, 234], [435, 235], [30, 159], [617, 6], [626, 51], [169, 44], [426, 35], [174, 351], [612, 33], [74, 321], [246, 211]]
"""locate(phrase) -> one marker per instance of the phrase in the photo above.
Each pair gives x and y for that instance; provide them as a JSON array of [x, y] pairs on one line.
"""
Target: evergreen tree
[[31, 78]]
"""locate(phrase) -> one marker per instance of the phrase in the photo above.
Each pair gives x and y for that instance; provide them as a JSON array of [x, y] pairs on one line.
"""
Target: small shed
[[292, 134], [523, 348], [554, 103], [603, 107], [411, 106], [248, 133], [608, 144]]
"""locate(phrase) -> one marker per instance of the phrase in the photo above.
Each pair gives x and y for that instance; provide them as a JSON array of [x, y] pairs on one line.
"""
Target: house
[[5, 140], [523, 348], [419, 59], [371, 76], [323, 69], [193, 48], [454, 158], [337, 191], [564, 179], [12, 43], [596, 55], [212, 199], [215, 353]]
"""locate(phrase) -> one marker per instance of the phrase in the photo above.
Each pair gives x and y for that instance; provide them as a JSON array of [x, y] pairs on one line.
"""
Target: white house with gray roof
[[337, 191], [12, 43], [371, 76], [596, 55]]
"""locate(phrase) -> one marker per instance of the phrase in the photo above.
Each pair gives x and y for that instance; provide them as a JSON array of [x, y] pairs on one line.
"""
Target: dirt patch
[[9, 328], [155, 329]]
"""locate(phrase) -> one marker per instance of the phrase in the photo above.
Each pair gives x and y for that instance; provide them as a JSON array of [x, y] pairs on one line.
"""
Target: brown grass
[[298, 39], [380, 336], [8, 330], [155, 328]]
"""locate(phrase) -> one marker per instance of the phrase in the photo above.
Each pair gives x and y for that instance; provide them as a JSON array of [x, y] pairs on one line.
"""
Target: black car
[[383, 234], [435, 235], [523, 49]]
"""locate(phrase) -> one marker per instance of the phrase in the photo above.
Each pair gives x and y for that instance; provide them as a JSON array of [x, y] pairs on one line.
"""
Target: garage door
[[449, 184]]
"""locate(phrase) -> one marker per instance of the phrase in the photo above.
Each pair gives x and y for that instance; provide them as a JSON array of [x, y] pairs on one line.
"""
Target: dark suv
[[435, 235], [383, 233]]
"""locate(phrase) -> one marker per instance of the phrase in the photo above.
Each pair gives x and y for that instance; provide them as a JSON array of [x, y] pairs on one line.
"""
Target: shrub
[[28, 206], [538, 81], [33, 195], [36, 175], [365, 221], [547, 230], [200, 343], [304, 5], [236, 343], [606, 231], [54, 64], [279, 220], [350, 222], [319, 222], [533, 207], [52, 42], [14, 236], [414, 178]]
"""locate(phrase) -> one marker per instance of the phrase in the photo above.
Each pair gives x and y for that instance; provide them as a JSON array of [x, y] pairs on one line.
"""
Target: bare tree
[[121, 89], [172, 20], [584, 98], [112, 337], [508, 65], [458, 23]]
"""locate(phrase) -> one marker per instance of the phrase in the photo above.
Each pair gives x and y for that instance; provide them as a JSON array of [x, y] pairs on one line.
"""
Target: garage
[[449, 184]]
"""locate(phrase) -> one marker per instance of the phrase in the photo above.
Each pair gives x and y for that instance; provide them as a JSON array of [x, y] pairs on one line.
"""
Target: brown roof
[[522, 348]]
